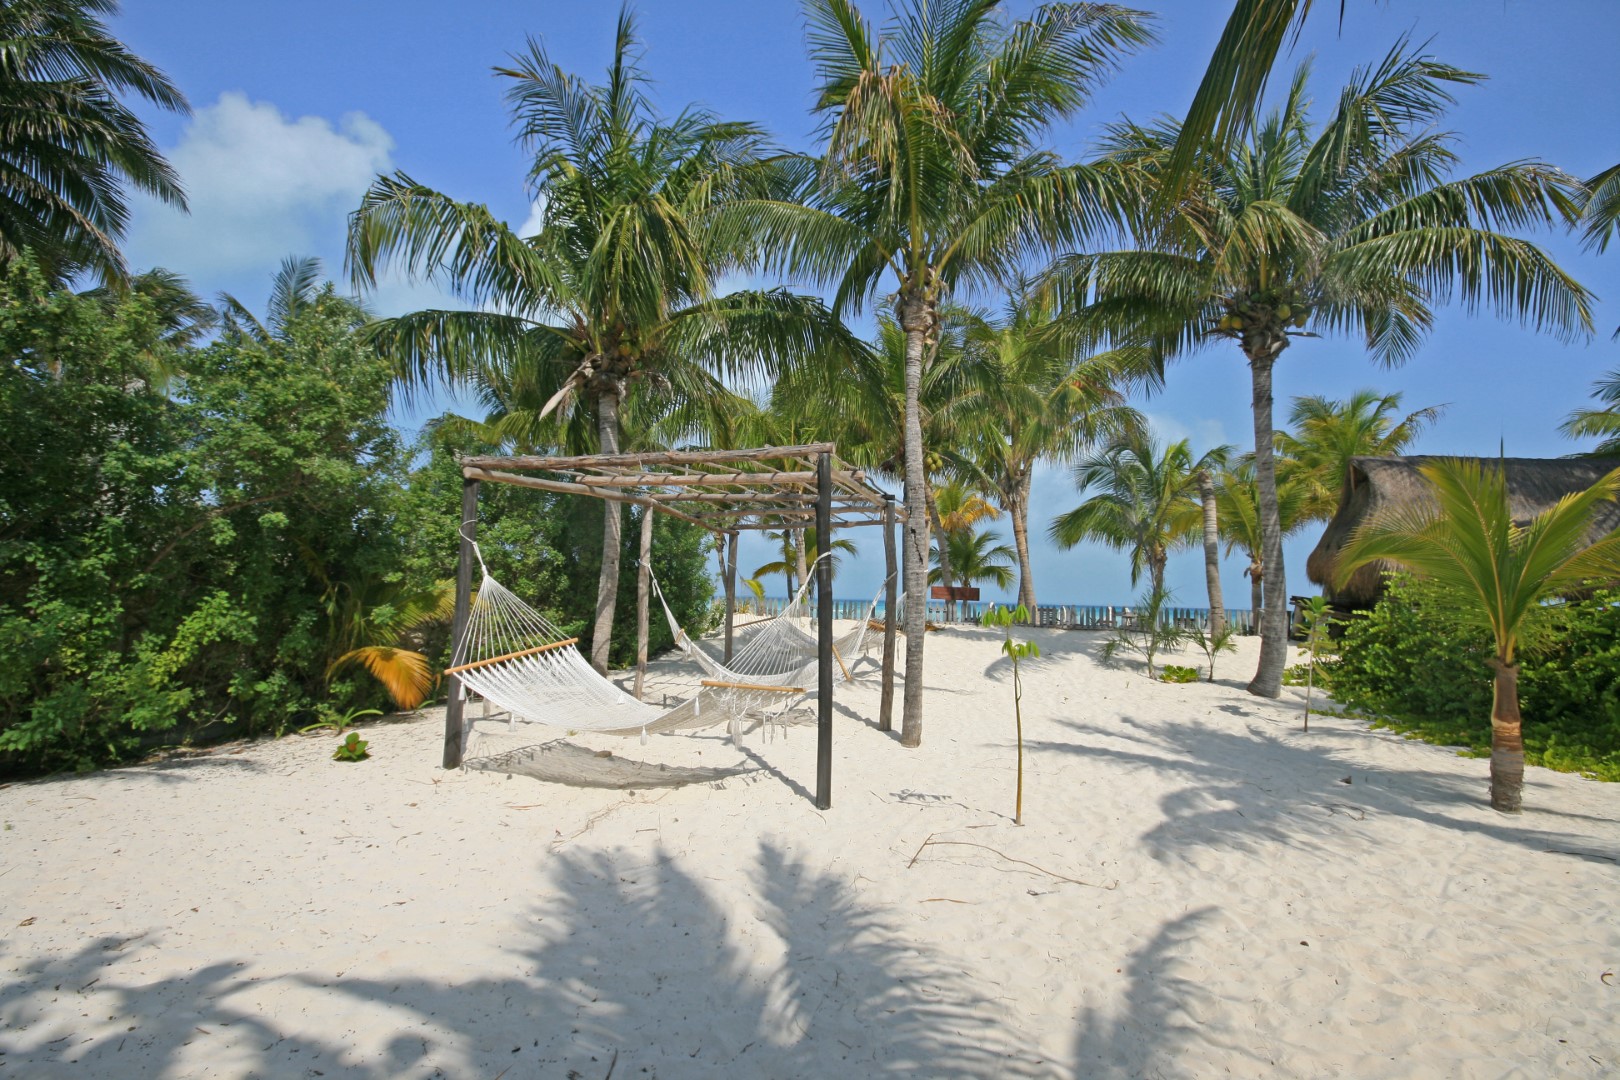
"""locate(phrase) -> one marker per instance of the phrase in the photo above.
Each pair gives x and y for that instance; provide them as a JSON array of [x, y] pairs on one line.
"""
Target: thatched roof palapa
[[1534, 484]]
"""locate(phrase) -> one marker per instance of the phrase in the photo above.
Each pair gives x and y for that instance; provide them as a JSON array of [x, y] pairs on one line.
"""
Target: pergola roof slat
[[712, 488]]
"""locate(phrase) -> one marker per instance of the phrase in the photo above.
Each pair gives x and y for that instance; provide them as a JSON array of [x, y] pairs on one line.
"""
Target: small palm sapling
[[1003, 618], [1316, 638], [1150, 633], [1212, 641]]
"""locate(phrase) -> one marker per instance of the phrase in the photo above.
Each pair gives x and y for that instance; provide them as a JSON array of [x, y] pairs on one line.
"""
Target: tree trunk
[[1212, 553], [607, 586], [946, 578], [801, 559], [1257, 591], [1267, 681], [643, 597], [1156, 564], [916, 320], [1018, 510], [1507, 740]]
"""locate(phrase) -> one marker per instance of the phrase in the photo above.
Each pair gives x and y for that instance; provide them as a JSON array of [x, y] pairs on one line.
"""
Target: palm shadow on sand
[[1245, 790], [627, 964]]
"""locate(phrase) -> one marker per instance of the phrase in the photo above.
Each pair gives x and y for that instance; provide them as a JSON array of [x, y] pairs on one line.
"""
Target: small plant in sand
[[352, 749], [1213, 642], [1148, 634], [1316, 640], [338, 723], [1176, 673], [1003, 618]]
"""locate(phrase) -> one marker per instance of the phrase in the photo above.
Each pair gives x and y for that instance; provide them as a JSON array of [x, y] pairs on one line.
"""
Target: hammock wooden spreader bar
[[511, 656], [752, 686]]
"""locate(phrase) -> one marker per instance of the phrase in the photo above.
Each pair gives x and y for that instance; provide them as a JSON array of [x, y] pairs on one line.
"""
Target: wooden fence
[[1061, 616]]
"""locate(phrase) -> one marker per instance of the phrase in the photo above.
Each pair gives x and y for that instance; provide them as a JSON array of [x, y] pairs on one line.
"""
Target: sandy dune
[[1200, 889]]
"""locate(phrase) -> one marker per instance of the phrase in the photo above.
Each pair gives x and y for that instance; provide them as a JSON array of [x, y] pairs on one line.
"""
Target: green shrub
[[1422, 671], [1176, 673]]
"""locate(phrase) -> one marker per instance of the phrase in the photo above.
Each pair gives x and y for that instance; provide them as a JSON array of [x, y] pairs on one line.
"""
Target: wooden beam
[[824, 617], [731, 590], [512, 656], [719, 479], [752, 686], [473, 473], [454, 729], [660, 457], [748, 498]]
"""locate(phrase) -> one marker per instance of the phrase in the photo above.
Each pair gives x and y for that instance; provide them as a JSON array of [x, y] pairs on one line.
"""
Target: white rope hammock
[[779, 651], [520, 661]]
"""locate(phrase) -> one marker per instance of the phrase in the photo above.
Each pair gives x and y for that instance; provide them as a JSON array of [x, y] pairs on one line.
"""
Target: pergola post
[[891, 591], [643, 588], [824, 619], [731, 588], [454, 729]]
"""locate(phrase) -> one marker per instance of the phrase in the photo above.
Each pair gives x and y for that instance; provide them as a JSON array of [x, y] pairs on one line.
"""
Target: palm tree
[[934, 178], [296, 288], [180, 320], [975, 556], [614, 293], [1354, 230], [1500, 574], [1600, 211], [800, 550], [1036, 395], [1237, 497], [371, 625], [954, 507], [859, 403], [68, 145], [1601, 423], [1327, 434], [1145, 505]]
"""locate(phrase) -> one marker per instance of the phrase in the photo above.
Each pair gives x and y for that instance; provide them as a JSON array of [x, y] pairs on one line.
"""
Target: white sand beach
[[1200, 889]]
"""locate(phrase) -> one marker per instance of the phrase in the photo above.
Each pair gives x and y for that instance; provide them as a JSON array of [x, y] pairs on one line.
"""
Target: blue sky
[[299, 104]]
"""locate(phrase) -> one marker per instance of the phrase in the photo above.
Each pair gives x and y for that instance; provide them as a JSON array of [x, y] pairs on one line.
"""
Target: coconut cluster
[[1271, 310]]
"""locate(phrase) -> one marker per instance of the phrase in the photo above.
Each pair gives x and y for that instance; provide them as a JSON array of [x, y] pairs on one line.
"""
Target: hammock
[[516, 658], [779, 651]]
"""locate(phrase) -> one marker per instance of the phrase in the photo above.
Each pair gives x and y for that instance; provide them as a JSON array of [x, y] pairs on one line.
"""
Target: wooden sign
[[953, 592]]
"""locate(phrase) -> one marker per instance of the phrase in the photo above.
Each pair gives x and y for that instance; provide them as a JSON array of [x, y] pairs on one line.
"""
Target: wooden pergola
[[726, 492]]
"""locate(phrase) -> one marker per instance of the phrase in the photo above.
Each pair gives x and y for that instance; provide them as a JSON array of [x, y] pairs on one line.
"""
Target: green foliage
[[1148, 635], [1317, 618], [1415, 664], [168, 560], [1003, 619], [1212, 643], [1176, 673], [352, 749]]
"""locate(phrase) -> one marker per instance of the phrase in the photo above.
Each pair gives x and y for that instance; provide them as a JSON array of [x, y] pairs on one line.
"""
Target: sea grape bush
[[177, 552]]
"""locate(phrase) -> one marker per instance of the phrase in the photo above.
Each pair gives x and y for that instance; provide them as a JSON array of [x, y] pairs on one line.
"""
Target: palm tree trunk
[[916, 319], [801, 559], [1507, 740], [607, 586], [946, 578], [1257, 590], [1212, 553], [1267, 681], [1018, 510]]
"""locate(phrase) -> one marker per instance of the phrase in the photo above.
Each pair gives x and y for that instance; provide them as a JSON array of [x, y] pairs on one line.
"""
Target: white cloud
[[1202, 434], [536, 218], [261, 186]]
